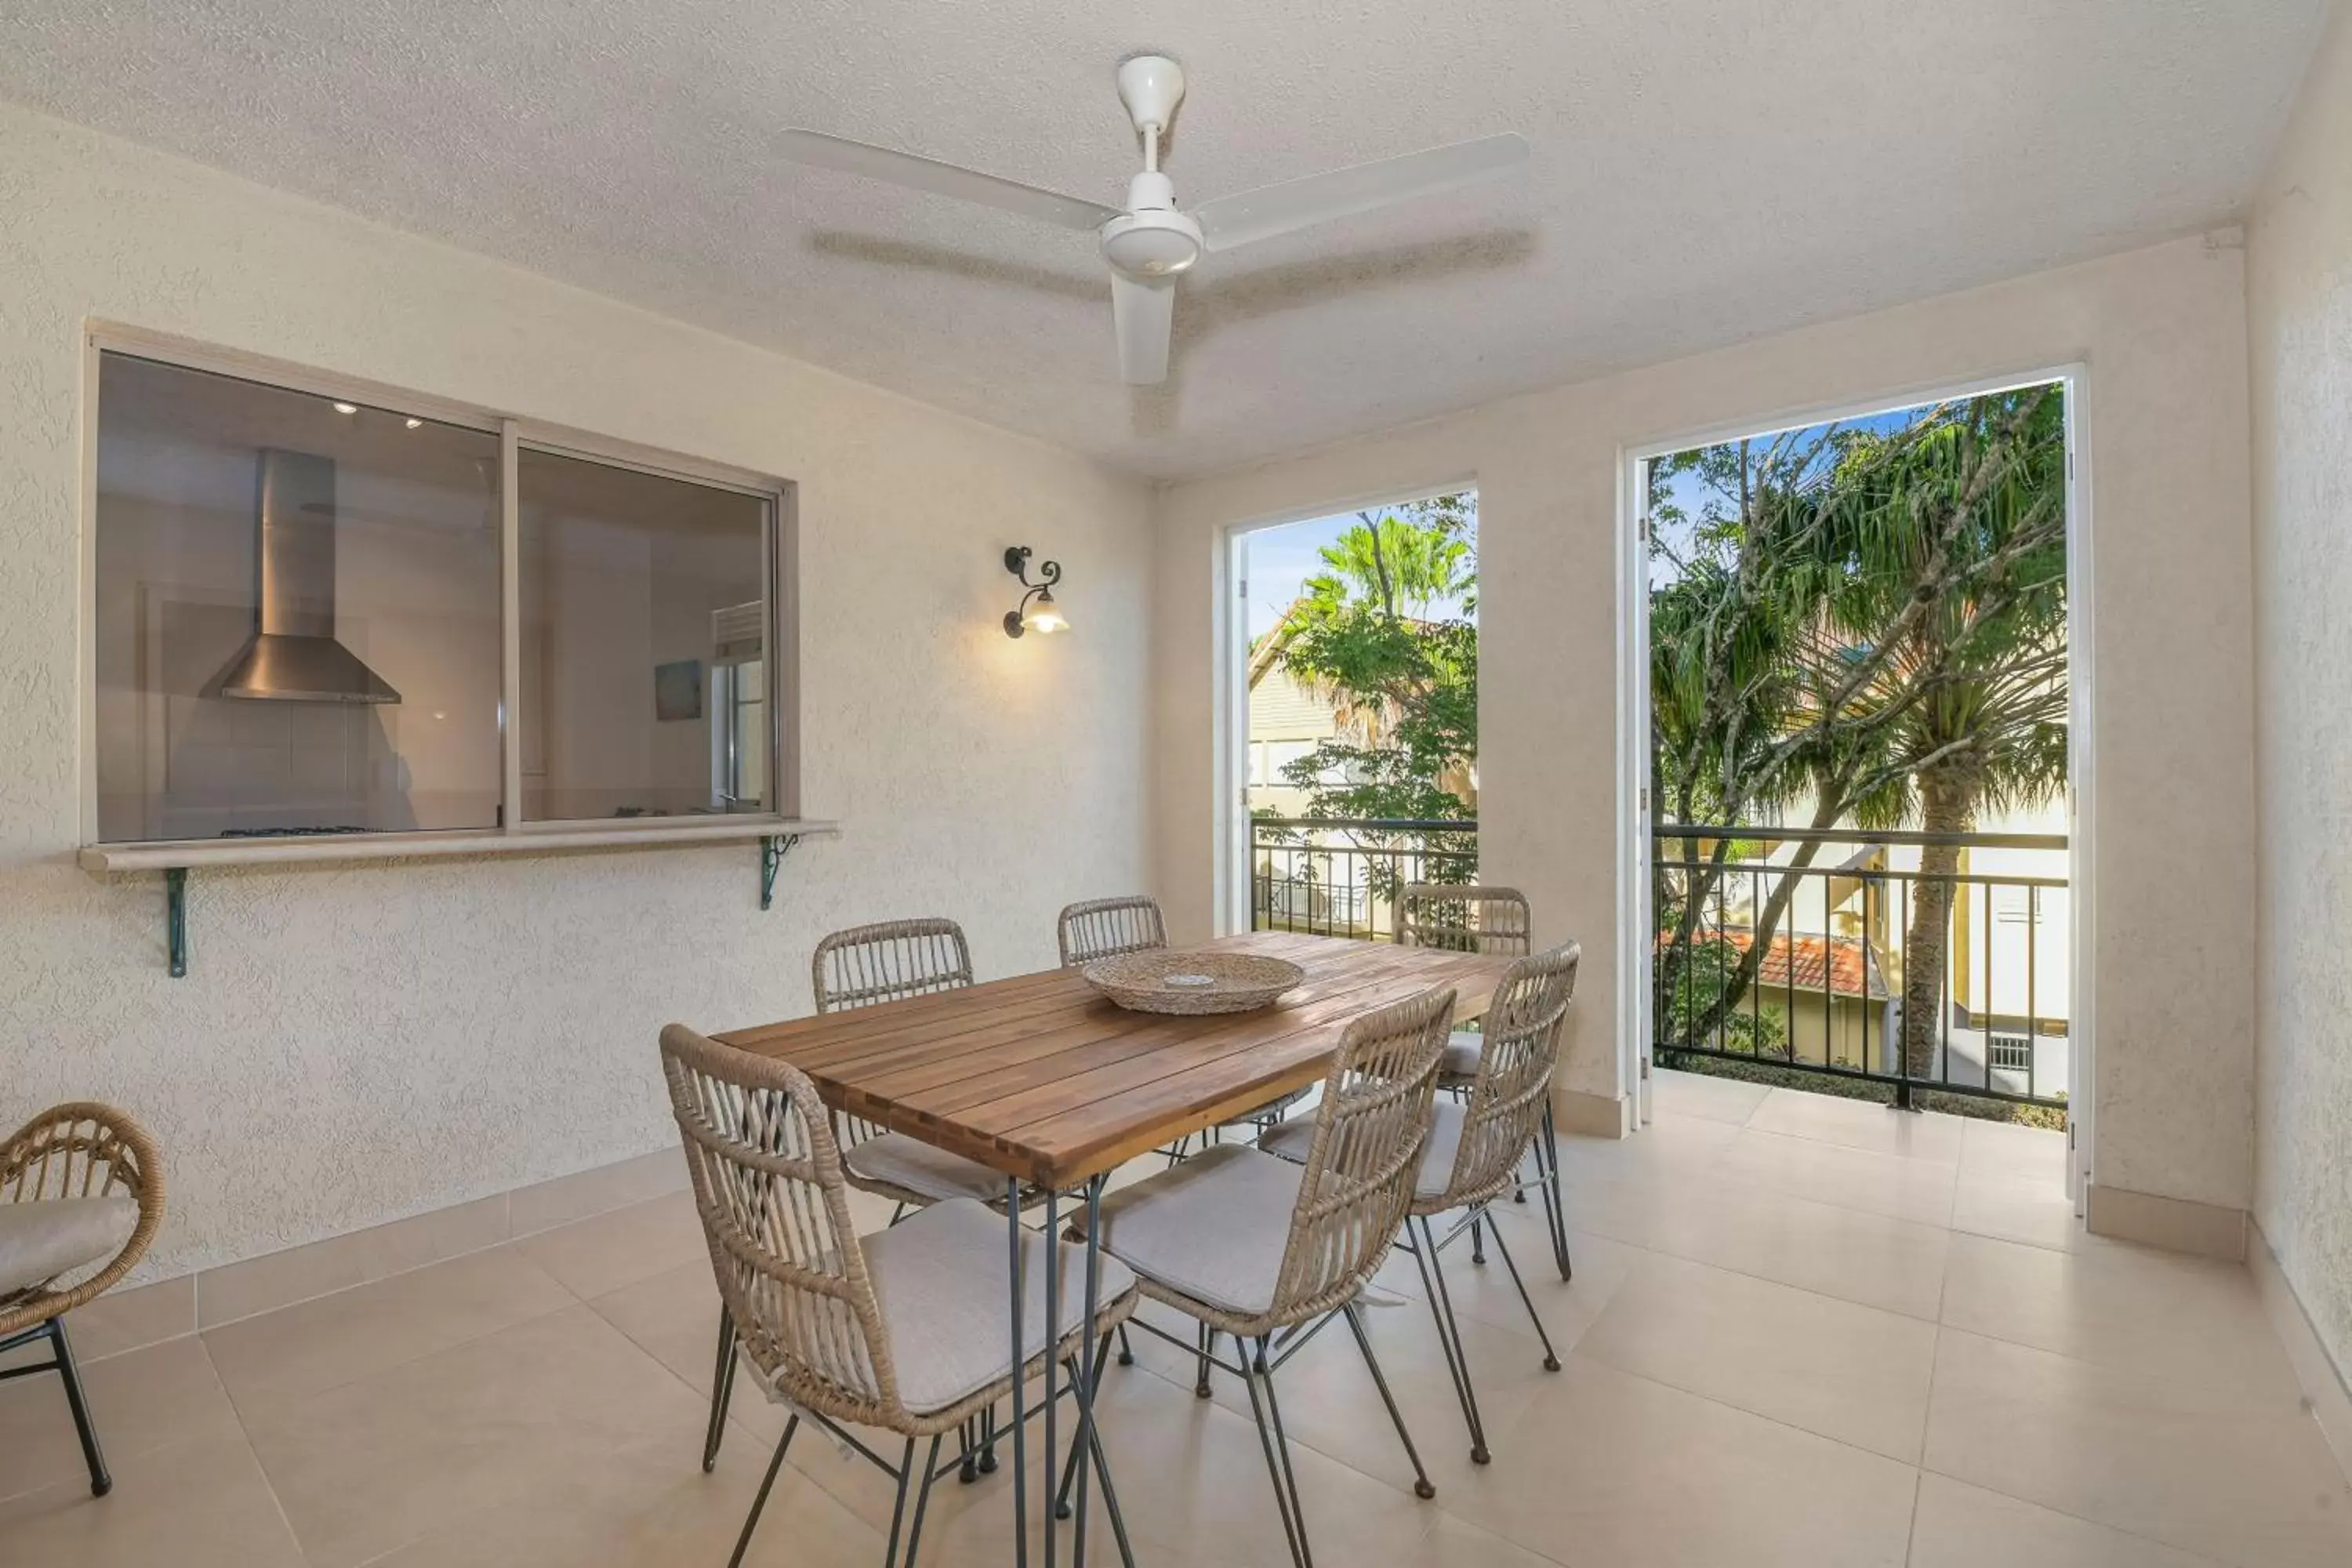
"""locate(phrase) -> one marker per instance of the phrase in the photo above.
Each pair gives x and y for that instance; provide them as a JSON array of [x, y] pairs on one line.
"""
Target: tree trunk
[[1947, 805]]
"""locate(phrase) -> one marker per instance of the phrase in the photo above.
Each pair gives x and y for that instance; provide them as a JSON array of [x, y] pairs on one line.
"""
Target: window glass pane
[[644, 676], [297, 612]]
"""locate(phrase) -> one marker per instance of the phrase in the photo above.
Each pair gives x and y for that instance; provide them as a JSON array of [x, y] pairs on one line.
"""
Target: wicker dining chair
[[1250, 1244], [1464, 918], [79, 1185], [863, 967], [1478, 1147], [909, 1329]]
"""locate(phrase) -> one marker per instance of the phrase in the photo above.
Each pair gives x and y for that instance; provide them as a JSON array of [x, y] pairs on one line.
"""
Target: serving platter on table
[[1165, 980]]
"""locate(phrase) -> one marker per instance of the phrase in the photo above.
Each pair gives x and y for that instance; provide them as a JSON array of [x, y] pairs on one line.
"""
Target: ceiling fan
[[1150, 242]]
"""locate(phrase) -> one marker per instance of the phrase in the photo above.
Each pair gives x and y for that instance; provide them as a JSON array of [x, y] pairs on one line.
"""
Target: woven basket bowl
[[1238, 981]]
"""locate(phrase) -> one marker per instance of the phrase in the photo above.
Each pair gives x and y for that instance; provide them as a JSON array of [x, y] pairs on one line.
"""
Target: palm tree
[[1954, 529]]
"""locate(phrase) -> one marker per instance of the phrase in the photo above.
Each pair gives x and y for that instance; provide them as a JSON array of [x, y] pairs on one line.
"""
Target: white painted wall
[[2162, 331], [2299, 316], [362, 1042]]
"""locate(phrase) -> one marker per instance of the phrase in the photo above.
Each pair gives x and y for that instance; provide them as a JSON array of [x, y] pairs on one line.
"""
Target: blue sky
[[1281, 559]]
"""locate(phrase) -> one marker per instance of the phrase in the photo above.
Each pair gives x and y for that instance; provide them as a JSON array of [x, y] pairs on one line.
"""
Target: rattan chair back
[[1516, 1065], [768, 1184], [1465, 919], [1370, 1129], [1105, 928], [888, 961]]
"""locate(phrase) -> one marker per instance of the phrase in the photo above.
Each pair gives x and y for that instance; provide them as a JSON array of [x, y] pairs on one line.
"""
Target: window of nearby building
[[302, 623]]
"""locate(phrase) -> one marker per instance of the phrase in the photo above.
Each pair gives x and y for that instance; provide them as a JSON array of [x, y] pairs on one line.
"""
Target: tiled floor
[[1802, 1331]]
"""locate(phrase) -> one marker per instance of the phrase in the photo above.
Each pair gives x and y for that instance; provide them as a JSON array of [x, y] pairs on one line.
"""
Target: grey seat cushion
[[910, 1163], [940, 1275], [1212, 1228], [1463, 1049], [42, 1239], [1292, 1139]]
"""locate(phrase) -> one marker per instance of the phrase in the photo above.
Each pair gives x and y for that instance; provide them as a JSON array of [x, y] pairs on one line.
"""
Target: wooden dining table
[[1041, 1078]]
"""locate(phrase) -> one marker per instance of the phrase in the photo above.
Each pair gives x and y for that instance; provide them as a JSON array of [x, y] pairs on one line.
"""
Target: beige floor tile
[[1668, 1147], [199, 1504], [373, 1465], [1191, 1477], [1330, 1403], [2117, 1305], [653, 1509], [2003, 1151], [276, 1280], [1872, 1260], [299, 1350], [1702, 1095], [124, 1320], [594, 1256], [674, 1318], [1484, 1292], [2028, 1209], [1916, 1190], [1854, 1373], [1607, 1468], [1456, 1543], [584, 1193], [1961, 1526], [1860, 1124], [140, 1401], [2246, 1481]]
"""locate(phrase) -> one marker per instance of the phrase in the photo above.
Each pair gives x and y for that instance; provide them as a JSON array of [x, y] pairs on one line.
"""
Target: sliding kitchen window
[[327, 611]]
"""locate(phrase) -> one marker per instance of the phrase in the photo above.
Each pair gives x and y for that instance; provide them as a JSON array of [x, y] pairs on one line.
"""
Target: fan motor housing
[[1151, 239]]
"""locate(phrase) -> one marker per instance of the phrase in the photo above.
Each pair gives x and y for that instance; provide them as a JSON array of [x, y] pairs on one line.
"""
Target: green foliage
[[1692, 1012], [1405, 686]]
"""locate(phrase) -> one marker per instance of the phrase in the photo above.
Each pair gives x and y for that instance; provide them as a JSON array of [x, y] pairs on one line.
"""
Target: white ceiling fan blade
[[1145, 315], [943, 179], [1271, 210]]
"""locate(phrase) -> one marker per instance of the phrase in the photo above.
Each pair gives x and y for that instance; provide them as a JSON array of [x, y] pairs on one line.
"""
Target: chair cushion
[[42, 1239], [1293, 1139], [1212, 1228], [914, 1165], [940, 1277], [1462, 1049]]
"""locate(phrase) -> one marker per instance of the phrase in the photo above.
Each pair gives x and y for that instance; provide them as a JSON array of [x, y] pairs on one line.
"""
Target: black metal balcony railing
[[1979, 1008], [1340, 876], [1835, 988]]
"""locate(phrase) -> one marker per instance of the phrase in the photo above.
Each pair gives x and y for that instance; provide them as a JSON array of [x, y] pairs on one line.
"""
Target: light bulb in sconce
[[1044, 615], [1037, 612], [347, 408], [412, 424]]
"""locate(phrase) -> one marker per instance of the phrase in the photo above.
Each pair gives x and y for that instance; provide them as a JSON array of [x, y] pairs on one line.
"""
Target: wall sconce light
[[1036, 612]]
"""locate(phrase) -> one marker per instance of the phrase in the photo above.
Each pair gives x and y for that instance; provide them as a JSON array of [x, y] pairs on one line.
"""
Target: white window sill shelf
[[643, 833]]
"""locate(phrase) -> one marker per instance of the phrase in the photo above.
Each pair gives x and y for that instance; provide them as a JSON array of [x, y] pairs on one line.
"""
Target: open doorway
[[1861, 666], [1352, 704]]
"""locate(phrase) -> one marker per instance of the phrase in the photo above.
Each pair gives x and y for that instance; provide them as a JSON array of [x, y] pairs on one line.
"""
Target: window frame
[[780, 642]]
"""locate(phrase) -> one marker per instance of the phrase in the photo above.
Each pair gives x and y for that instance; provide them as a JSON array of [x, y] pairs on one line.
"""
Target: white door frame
[[1229, 704], [1633, 723]]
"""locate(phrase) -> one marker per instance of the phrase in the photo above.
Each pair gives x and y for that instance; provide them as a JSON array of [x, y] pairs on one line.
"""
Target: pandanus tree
[[1878, 625]]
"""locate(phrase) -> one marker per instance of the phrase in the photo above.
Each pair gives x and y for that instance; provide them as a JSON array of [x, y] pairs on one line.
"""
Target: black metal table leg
[[1053, 1339], [1020, 1425]]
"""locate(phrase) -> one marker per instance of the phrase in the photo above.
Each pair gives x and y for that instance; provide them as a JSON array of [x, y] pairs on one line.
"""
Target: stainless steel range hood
[[294, 656]]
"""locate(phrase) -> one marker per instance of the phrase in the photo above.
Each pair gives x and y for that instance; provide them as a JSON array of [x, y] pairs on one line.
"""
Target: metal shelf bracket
[[175, 918], [773, 850]]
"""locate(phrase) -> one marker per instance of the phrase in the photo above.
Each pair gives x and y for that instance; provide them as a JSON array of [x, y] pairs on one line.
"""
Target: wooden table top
[[1041, 1077]]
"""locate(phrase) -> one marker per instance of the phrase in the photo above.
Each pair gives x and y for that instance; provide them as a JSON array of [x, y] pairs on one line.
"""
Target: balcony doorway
[[1352, 701], [1854, 849]]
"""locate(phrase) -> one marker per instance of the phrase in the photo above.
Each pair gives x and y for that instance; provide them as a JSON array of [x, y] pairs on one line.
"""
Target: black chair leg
[[1271, 1439], [1422, 1485], [1449, 1337], [922, 1497], [722, 1390], [1551, 1358], [1555, 1205], [101, 1482], [752, 1520]]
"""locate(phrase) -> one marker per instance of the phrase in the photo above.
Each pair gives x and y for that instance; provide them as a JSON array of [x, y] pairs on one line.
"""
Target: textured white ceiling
[[1704, 170]]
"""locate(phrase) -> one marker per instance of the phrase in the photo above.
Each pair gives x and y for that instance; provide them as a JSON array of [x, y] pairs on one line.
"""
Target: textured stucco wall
[[2299, 314], [2162, 333], [360, 1043]]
